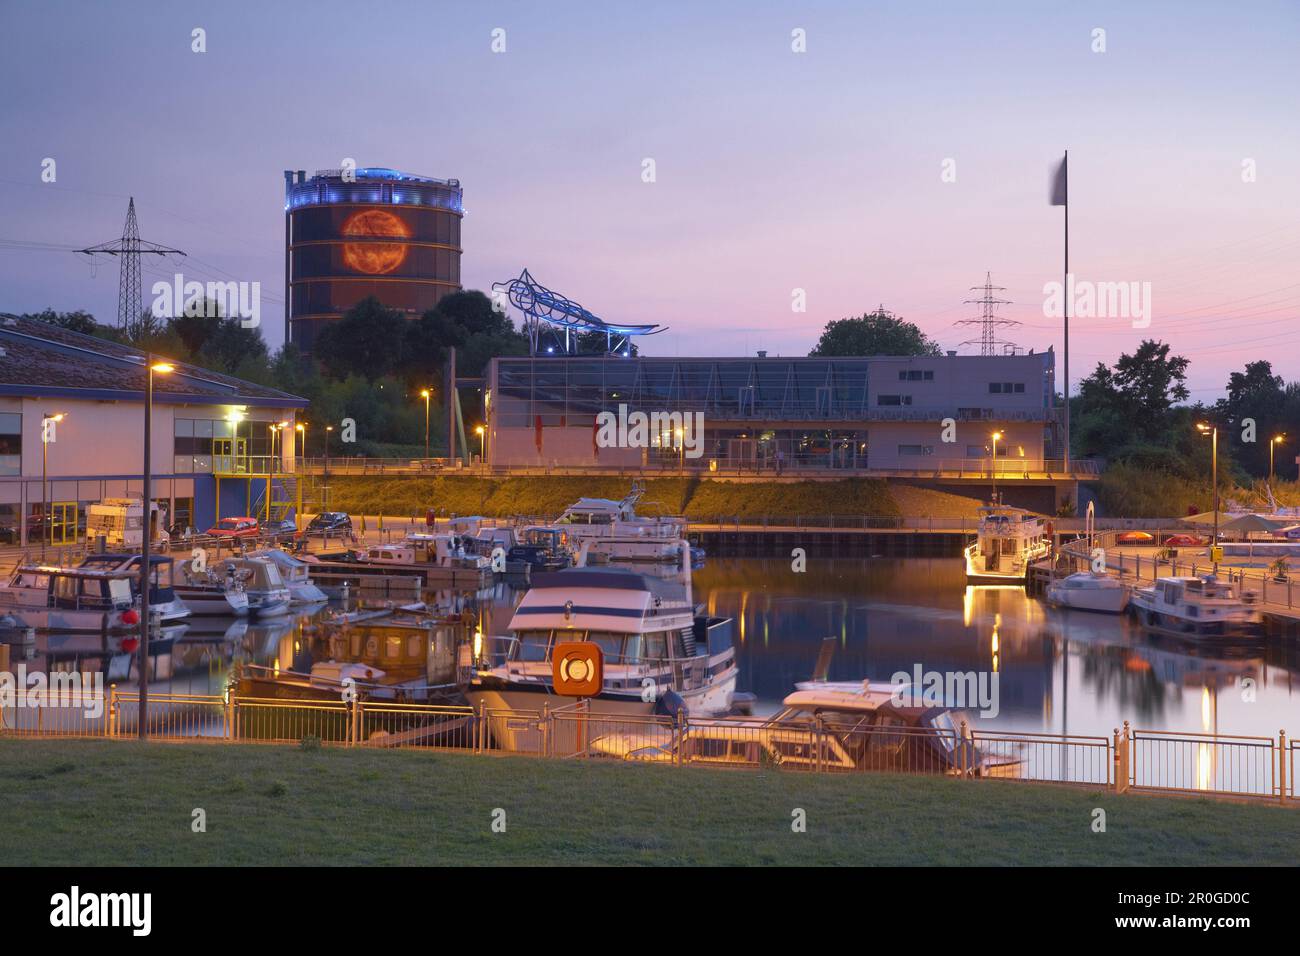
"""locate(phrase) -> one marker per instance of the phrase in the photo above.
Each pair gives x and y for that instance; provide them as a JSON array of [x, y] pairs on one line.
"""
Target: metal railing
[[1206, 764]]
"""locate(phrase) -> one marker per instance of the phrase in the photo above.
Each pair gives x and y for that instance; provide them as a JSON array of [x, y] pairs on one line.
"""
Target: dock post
[[1281, 766], [111, 726], [1122, 759]]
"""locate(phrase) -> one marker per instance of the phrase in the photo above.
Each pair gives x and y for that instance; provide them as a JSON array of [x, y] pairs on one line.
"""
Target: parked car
[[235, 528], [1136, 537], [331, 522], [281, 528], [1184, 541]]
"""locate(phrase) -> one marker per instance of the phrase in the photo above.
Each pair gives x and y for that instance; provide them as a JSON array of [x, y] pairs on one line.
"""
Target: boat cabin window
[[26, 579], [532, 645]]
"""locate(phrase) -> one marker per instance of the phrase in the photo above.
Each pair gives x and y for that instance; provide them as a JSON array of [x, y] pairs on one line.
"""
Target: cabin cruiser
[[617, 532], [1087, 591], [657, 652], [268, 596], [70, 599], [539, 548], [163, 600], [208, 593], [1007, 542], [295, 575], [849, 725], [1195, 607], [439, 558]]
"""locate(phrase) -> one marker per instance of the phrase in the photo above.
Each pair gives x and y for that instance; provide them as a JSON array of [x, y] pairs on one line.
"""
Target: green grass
[[107, 802]]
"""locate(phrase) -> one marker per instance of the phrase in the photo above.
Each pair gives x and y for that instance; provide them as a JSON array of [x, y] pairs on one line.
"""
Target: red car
[[234, 528], [1185, 541]]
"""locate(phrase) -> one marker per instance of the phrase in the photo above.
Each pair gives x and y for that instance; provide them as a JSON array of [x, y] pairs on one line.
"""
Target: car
[[332, 523], [1135, 537], [1184, 541], [280, 528], [244, 527]]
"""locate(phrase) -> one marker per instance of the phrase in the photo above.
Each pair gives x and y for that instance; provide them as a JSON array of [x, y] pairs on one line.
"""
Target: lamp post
[[328, 429], [146, 539], [426, 394], [46, 527], [1213, 432], [996, 436], [1272, 444], [482, 443]]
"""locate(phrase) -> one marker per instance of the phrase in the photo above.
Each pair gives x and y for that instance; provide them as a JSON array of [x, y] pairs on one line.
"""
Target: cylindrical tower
[[353, 234]]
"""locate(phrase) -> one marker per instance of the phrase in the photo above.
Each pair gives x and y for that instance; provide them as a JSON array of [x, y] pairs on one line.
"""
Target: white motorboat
[[70, 599], [164, 602], [658, 653], [268, 596], [1087, 591], [1198, 607], [295, 575], [614, 531], [1007, 542], [207, 593]]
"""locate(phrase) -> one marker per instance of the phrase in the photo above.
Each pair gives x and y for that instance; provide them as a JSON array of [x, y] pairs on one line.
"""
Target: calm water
[[1058, 670]]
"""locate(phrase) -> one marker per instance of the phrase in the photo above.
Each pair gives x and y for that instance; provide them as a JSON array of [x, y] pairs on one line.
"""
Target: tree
[[876, 333], [467, 322], [78, 321], [369, 340]]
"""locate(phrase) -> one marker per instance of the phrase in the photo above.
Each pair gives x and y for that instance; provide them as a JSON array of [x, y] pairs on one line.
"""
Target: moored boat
[[1007, 542], [1087, 591], [1196, 607]]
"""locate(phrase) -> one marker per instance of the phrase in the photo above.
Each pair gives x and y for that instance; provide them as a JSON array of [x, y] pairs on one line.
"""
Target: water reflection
[[1062, 671]]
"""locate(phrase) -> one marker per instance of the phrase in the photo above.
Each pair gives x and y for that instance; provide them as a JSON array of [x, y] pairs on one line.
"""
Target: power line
[[989, 321], [130, 247]]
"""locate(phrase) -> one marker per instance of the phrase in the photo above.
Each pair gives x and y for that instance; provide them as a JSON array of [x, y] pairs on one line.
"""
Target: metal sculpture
[[549, 312]]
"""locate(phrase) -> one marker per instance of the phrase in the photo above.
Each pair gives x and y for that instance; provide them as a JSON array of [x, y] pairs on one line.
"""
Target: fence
[[1206, 764]]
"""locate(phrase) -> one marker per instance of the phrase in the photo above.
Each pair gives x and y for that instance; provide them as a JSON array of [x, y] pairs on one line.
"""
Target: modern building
[[219, 444], [357, 233], [918, 416]]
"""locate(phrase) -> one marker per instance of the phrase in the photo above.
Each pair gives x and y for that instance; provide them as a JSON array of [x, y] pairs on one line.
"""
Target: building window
[[976, 451], [1006, 388], [916, 375], [893, 399], [912, 451], [11, 443]]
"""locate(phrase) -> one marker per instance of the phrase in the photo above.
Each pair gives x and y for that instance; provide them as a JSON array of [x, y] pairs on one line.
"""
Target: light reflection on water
[[886, 615]]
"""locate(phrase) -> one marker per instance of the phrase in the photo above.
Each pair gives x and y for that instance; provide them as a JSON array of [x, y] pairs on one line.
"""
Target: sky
[[904, 154]]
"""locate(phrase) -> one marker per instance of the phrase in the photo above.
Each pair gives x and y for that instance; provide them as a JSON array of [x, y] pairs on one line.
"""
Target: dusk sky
[[775, 170]]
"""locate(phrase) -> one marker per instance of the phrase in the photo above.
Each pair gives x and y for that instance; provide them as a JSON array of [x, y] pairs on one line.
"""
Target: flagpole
[[1065, 285]]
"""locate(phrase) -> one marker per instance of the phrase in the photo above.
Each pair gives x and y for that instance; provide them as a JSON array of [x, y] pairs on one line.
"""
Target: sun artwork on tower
[[374, 258]]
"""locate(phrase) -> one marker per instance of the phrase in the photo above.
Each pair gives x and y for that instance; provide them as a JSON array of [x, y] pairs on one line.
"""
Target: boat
[[539, 548], [295, 574], [440, 559], [1196, 607], [1087, 591], [843, 726], [616, 532], [658, 653], [207, 593], [164, 602], [51, 598], [1007, 542], [268, 596]]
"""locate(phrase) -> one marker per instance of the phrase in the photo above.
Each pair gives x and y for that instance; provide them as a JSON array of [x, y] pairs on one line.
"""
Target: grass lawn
[[86, 802]]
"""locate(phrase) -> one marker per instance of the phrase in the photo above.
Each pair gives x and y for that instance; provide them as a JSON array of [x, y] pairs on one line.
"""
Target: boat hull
[[1099, 600]]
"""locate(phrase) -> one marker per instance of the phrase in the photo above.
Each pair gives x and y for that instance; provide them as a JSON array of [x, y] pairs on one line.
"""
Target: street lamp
[[46, 420], [1273, 443], [482, 443], [996, 436], [146, 539], [426, 395], [328, 429], [1213, 431]]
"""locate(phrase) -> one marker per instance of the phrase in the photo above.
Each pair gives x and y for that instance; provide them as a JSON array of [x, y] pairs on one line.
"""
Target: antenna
[[130, 310], [989, 321]]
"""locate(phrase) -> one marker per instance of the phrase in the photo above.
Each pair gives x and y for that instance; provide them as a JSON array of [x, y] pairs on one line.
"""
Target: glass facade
[[203, 446]]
